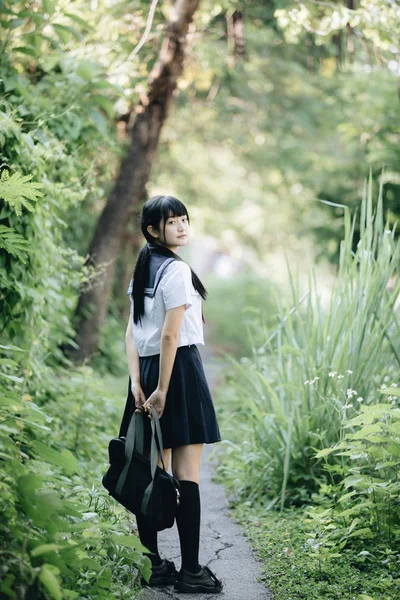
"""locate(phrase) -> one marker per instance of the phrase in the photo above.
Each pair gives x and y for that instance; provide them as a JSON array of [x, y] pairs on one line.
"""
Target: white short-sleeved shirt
[[175, 289]]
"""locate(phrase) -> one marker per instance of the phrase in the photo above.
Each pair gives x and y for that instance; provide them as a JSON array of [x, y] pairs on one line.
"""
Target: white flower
[[386, 378], [340, 376], [332, 373], [348, 371], [305, 383], [383, 386], [388, 231], [360, 399], [347, 405], [393, 385], [315, 378]]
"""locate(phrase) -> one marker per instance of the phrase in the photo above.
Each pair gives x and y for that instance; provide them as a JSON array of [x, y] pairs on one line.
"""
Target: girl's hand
[[157, 399], [138, 396]]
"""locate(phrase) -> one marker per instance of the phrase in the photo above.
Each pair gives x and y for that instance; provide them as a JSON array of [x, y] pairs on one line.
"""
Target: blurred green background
[[282, 139]]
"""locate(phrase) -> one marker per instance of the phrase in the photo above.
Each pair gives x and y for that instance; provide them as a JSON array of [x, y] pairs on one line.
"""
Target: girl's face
[[176, 231]]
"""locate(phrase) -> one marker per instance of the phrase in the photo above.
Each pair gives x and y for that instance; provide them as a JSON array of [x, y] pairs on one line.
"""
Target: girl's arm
[[134, 366], [132, 353], [169, 344]]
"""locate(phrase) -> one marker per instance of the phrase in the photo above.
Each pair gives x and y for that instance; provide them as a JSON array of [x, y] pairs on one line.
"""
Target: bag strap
[[156, 432], [134, 439]]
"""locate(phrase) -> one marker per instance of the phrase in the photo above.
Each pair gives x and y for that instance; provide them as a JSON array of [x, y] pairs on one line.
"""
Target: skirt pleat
[[189, 415]]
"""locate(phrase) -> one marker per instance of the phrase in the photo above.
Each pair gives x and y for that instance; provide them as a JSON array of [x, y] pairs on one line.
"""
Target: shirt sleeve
[[128, 293], [176, 285], [129, 290]]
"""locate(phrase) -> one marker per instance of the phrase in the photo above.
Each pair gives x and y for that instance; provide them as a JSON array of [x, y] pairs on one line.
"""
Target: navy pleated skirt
[[189, 415]]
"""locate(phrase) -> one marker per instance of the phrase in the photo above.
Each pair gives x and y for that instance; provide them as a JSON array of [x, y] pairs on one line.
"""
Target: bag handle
[[135, 439], [156, 432]]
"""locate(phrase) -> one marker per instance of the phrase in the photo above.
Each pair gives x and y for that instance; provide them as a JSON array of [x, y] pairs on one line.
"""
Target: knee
[[186, 472]]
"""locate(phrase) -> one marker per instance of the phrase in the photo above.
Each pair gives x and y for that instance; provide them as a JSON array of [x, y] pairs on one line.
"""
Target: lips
[[184, 235]]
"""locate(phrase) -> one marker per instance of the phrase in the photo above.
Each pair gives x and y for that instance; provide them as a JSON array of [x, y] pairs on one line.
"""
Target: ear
[[152, 231]]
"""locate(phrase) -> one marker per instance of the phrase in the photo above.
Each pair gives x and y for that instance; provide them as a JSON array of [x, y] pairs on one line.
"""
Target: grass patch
[[291, 571]]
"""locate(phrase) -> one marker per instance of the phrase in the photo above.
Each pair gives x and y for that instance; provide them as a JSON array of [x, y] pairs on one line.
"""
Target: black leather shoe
[[163, 574], [205, 581]]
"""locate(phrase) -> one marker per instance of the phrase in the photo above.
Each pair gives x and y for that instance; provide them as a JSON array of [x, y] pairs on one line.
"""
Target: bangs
[[172, 207]]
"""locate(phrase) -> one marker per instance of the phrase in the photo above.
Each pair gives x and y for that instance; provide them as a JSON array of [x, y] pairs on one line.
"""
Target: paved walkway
[[223, 546]]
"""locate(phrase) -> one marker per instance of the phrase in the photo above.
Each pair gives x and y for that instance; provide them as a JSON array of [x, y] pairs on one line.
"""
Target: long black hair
[[153, 211]]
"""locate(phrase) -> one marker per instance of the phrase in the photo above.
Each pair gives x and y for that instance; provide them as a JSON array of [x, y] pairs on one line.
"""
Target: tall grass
[[315, 367]]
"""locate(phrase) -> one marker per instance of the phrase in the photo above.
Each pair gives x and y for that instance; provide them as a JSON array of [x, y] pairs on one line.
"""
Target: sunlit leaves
[[17, 190], [48, 577]]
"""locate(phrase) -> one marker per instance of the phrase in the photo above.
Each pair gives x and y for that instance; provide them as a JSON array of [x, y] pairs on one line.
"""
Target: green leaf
[[48, 577], [359, 532], [129, 541], [392, 391], [64, 32], [6, 586], [70, 594], [9, 362], [104, 84], [324, 452], [13, 243], [347, 496], [91, 564], [146, 569], [44, 549], [88, 70], [28, 485], [105, 104], [98, 120], [366, 430], [28, 14], [353, 480], [64, 459], [14, 23], [49, 6], [16, 189], [10, 401], [17, 348], [25, 50], [80, 21], [11, 377]]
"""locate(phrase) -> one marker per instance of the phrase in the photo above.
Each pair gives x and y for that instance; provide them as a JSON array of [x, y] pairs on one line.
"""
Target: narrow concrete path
[[223, 546]]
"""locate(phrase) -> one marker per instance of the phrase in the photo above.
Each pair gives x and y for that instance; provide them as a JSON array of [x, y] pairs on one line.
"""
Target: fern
[[17, 191], [13, 243]]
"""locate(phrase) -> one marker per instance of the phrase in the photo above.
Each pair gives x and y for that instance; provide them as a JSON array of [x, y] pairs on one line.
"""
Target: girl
[[166, 371]]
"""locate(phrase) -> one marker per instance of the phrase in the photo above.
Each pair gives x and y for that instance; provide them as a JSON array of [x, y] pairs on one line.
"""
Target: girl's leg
[[186, 468], [147, 534]]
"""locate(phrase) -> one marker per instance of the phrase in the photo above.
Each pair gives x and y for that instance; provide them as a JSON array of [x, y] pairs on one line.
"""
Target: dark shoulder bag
[[140, 484]]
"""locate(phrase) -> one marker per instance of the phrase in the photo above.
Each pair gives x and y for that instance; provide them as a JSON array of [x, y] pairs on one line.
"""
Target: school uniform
[[189, 415]]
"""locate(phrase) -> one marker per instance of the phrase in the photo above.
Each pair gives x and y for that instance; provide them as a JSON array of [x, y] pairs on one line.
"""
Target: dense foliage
[[60, 534], [312, 418], [293, 568]]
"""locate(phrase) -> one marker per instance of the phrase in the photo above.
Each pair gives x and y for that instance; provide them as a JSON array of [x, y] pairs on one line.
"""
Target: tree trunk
[[236, 37], [129, 189]]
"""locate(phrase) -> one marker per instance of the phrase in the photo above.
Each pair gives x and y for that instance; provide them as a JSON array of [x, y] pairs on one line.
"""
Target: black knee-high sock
[[148, 537], [188, 522]]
